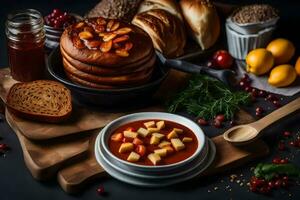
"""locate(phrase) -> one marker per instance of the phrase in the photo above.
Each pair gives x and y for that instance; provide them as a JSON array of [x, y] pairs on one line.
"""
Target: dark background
[[17, 183]]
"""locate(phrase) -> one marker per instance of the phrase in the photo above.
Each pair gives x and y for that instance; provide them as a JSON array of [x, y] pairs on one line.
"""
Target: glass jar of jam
[[25, 41]]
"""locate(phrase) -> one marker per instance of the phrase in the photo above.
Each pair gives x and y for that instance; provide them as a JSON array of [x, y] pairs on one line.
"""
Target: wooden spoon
[[244, 134]]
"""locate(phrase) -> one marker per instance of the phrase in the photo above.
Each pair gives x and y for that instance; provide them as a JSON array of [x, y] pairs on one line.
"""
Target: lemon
[[282, 50], [297, 66], [259, 61], [282, 75]]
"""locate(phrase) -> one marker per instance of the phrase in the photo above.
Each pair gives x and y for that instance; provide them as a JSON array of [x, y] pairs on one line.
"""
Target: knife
[[224, 75]]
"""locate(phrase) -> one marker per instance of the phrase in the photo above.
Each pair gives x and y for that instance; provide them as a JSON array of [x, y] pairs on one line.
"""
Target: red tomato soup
[[167, 142]]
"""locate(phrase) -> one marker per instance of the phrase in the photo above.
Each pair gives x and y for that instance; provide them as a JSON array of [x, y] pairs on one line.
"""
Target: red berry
[[283, 161], [248, 89], [223, 59], [271, 184], [276, 160], [254, 92], [292, 143], [217, 123], [259, 109], [3, 147], [285, 178], [262, 93], [286, 134], [100, 190], [271, 97], [276, 103], [281, 146], [202, 122], [220, 118], [232, 123], [242, 84], [278, 183]]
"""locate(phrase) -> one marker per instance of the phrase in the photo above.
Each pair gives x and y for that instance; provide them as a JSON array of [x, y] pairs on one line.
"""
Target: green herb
[[268, 171], [206, 97]]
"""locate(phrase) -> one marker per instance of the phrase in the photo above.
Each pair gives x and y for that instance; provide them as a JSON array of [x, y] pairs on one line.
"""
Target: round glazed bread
[[166, 31], [108, 80], [202, 20], [138, 66], [104, 42]]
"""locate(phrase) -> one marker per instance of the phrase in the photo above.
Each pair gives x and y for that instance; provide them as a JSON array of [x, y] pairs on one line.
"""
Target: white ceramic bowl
[[111, 127]]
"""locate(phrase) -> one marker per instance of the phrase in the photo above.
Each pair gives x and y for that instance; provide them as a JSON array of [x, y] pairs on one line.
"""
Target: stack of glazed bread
[[107, 53]]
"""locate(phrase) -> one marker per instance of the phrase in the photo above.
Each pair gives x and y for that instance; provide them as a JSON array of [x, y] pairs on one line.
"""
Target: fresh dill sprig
[[206, 97]]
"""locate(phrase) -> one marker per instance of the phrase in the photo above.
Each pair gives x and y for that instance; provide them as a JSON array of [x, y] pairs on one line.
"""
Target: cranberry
[[281, 146], [271, 97], [284, 161], [276, 103], [217, 123], [3, 147], [284, 183], [202, 122], [253, 188], [223, 59], [242, 84], [292, 143], [220, 117], [262, 93], [271, 184], [278, 183], [276, 160], [254, 92], [259, 109], [248, 89], [285, 178], [100, 190], [286, 134]]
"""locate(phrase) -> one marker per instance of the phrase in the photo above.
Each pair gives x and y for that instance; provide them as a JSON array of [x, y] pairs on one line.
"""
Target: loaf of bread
[[202, 20], [42, 100], [168, 5], [166, 31], [115, 9]]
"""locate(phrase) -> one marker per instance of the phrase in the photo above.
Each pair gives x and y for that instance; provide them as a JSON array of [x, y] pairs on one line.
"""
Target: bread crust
[[42, 116], [129, 79], [202, 20], [102, 71], [166, 31]]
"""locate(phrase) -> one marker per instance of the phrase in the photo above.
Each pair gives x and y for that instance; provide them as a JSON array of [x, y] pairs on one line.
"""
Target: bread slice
[[41, 100]]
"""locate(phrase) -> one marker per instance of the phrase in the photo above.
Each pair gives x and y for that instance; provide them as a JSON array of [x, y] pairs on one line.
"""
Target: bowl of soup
[[152, 143]]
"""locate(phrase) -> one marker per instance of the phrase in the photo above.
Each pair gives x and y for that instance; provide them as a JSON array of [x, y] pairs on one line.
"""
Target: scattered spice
[[254, 14]]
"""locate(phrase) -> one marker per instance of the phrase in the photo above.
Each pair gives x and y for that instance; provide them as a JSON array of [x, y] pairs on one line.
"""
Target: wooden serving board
[[82, 119], [45, 159], [73, 178]]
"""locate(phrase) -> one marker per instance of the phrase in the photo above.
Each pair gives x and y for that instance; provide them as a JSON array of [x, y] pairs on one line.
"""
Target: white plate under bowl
[[158, 182], [112, 126], [171, 174]]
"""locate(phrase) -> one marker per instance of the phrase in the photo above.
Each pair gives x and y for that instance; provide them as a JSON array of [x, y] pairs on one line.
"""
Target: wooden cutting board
[[82, 119], [45, 159], [73, 178]]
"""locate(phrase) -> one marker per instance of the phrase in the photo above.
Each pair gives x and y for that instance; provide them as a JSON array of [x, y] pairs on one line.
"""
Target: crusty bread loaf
[[166, 31], [115, 9], [41, 100], [168, 5], [202, 20]]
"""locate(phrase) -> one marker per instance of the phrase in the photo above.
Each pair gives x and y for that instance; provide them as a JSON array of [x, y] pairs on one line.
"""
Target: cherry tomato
[[223, 59], [141, 149], [137, 141]]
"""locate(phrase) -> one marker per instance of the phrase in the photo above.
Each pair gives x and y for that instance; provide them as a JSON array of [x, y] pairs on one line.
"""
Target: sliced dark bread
[[41, 100]]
